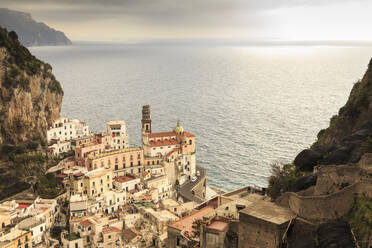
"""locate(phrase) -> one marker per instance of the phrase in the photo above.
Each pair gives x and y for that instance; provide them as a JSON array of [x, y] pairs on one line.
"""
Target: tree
[[282, 179], [13, 35]]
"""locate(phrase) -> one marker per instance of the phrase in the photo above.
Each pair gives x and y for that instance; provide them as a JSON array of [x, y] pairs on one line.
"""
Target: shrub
[[47, 187], [55, 86], [282, 179]]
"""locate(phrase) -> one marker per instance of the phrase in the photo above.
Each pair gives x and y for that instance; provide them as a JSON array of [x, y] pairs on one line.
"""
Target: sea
[[250, 106]]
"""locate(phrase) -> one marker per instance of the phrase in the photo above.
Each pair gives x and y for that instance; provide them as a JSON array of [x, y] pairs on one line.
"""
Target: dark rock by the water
[[349, 134]]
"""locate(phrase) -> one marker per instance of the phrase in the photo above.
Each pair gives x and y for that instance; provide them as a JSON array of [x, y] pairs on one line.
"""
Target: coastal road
[[185, 189]]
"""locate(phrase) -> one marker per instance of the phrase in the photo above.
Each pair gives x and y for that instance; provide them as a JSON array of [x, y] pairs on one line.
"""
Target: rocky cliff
[[349, 134], [30, 32], [30, 96]]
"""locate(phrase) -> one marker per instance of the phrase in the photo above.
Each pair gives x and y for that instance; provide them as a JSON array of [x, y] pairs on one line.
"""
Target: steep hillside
[[30, 32], [30, 96], [349, 134]]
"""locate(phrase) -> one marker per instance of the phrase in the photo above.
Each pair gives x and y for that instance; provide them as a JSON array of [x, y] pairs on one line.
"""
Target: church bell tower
[[146, 119]]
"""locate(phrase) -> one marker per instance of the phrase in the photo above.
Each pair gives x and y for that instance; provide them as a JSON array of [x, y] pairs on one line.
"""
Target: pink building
[[83, 151], [123, 161]]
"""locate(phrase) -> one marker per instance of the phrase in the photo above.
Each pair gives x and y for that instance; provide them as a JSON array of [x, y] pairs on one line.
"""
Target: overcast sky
[[119, 20]]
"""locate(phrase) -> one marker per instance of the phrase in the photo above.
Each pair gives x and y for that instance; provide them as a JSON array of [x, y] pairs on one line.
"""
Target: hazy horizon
[[266, 20]]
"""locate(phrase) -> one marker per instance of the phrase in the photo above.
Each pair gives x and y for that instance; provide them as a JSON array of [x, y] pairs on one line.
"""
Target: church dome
[[178, 129]]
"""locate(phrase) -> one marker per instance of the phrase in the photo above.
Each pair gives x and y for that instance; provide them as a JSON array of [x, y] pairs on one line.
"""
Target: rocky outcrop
[[335, 234], [30, 32], [30, 96], [349, 134]]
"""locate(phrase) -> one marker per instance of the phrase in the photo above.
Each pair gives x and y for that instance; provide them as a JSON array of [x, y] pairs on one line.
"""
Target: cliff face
[[30, 96], [349, 134], [30, 32]]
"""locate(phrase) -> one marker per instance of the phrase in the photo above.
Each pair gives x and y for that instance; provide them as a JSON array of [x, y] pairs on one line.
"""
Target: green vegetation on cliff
[[288, 178], [349, 134], [360, 220], [21, 60], [30, 100]]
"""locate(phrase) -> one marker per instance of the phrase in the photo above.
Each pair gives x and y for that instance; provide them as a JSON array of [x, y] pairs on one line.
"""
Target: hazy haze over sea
[[249, 106]]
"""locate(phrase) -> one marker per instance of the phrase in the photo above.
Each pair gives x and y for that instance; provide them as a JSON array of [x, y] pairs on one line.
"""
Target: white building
[[60, 147], [65, 129], [37, 228], [126, 183], [117, 135]]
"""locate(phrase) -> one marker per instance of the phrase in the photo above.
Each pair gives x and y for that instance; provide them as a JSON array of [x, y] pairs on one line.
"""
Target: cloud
[[147, 18]]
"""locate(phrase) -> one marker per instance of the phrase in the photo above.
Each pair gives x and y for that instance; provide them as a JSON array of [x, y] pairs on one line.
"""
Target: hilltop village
[[155, 195]]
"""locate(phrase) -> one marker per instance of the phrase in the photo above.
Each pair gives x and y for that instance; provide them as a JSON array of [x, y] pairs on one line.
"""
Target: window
[[153, 162], [108, 177], [190, 142], [109, 237], [131, 164], [41, 229], [157, 162], [108, 185], [101, 190], [94, 184], [139, 162], [76, 245], [116, 160], [131, 157], [148, 162], [138, 156], [101, 181]]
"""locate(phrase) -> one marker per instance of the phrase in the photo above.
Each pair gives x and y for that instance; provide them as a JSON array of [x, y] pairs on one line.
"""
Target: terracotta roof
[[23, 205], [86, 223], [162, 134], [111, 229], [186, 222], [164, 142], [62, 175], [145, 173], [124, 179], [190, 135], [174, 150]]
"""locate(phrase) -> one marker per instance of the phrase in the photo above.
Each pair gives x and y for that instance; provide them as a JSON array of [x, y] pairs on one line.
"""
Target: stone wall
[[255, 233], [331, 178], [323, 208]]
